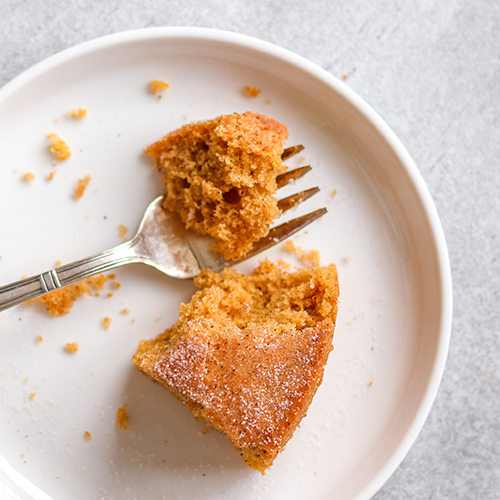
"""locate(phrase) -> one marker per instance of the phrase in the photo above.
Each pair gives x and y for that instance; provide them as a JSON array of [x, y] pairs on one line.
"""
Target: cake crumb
[[29, 176], [59, 302], [126, 310], [370, 384], [59, 147], [51, 175], [252, 91], [33, 394], [106, 322], [87, 435], [345, 76], [78, 113], [122, 417], [97, 281], [81, 187], [158, 86], [334, 193], [39, 338], [110, 294], [122, 230], [312, 257], [72, 347], [285, 265]]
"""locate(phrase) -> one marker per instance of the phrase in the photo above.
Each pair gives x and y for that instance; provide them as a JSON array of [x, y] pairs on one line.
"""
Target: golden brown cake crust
[[220, 176], [248, 353]]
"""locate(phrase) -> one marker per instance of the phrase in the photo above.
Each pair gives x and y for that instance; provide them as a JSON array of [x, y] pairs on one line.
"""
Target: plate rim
[[410, 169]]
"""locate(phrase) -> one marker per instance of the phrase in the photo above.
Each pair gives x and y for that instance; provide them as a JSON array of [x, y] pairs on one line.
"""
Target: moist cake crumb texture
[[247, 353], [220, 176]]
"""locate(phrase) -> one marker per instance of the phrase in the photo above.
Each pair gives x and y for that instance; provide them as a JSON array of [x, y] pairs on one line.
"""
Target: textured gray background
[[431, 69]]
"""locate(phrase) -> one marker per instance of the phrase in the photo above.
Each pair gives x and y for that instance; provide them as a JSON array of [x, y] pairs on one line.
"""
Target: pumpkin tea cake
[[247, 353], [220, 176]]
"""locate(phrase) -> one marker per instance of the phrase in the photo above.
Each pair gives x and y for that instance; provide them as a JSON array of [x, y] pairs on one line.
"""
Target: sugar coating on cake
[[247, 353], [220, 176]]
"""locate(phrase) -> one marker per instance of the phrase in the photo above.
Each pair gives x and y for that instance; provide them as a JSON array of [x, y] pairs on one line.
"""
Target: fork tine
[[293, 200], [291, 151], [291, 175], [283, 231]]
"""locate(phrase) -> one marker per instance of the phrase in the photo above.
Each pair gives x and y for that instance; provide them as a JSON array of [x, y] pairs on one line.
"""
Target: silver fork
[[163, 242]]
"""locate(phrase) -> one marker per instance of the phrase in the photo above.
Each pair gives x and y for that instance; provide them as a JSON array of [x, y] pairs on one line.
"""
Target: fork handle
[[38, 285]]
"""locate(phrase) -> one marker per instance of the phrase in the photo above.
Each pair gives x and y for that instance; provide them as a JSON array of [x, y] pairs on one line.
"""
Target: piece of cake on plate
[[247, 353]]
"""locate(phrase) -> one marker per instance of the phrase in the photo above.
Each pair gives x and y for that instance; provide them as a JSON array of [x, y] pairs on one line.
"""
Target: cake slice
[[220, 176], [247, 353]]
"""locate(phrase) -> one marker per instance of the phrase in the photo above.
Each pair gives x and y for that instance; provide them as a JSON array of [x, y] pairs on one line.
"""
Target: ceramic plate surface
[[381, 230]]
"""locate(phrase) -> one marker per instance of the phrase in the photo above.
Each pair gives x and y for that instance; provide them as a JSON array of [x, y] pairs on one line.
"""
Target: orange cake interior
[[248, 352], [220, 176]]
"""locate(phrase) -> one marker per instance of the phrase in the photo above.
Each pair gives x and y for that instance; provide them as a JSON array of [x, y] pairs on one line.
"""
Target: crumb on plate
[[59, 147], [252, 91], [87, 435], [60, 301], [81, 187], [72, 347], [78, 113], [122, 230], [158, 86], [122, 417], [29, 176], [106, 322], [312, 257]]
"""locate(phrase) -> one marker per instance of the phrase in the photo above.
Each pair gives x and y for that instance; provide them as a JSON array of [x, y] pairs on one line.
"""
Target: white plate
[[382, 231]]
